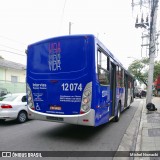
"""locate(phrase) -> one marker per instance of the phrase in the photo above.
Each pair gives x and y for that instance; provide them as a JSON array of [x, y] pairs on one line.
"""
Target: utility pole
[[153, 6], [152, 49]]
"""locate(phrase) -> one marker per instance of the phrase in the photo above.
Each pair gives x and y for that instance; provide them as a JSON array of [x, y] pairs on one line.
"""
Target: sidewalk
[[149, 131], [143, 133]]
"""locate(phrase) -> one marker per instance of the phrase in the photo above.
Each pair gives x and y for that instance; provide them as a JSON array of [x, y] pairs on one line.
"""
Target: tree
[[139, 68]]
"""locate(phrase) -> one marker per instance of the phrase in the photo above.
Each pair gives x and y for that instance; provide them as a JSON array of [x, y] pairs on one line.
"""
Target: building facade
[[12, 76]]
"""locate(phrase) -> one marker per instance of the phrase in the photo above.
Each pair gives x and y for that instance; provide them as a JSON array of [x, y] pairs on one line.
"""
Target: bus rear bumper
[[86, 119]]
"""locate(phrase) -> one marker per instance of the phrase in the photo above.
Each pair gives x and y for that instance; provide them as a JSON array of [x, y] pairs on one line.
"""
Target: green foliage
[[140, 68], [137, 68]]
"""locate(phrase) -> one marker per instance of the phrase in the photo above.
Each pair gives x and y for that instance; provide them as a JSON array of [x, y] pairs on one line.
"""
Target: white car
[[14, 107]]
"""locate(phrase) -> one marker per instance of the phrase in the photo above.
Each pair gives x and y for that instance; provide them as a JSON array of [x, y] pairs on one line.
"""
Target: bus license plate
[[58, 108]]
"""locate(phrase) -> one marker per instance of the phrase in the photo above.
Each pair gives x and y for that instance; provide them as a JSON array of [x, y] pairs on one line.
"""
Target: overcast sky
[[26, 21]]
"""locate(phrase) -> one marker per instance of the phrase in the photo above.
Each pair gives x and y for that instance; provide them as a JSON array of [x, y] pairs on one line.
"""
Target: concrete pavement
[[149, 130], [143, 133]]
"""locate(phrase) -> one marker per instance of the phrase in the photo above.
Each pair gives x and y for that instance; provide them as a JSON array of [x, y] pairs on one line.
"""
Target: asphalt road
[[49, 136]]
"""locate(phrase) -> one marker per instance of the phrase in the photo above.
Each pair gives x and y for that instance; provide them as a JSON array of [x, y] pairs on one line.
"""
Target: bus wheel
[[117, 117]]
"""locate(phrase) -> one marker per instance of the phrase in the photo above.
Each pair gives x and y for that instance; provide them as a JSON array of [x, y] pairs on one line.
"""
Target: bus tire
[[117, 117]]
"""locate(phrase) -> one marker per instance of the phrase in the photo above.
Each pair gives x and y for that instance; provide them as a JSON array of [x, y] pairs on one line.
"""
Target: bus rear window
[[58, 55]]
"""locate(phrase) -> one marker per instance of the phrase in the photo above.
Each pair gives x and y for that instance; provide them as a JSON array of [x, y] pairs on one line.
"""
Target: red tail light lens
[[6, 106], [82, 112]]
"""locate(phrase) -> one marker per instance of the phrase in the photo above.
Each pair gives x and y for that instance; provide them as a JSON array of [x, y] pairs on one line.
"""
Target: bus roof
[[84, 35], [62, 37]]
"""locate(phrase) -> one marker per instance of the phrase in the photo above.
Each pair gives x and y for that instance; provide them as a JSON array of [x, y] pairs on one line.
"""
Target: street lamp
[[133, 58], [70, 24]]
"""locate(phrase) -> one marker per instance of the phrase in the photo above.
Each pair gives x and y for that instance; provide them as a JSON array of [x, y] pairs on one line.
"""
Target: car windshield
[[10, 98]]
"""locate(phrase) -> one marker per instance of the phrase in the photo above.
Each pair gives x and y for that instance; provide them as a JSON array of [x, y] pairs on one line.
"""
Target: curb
[[132, 137], [139, 136]]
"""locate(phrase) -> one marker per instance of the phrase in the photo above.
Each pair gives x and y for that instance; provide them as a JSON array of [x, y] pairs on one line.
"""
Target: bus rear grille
[[54, 118]]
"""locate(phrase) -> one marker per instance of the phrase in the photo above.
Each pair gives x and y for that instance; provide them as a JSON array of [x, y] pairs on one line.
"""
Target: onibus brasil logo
[[54, 58]]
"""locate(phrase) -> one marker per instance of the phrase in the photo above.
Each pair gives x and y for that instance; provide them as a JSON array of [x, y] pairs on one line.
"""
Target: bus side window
[[118, 76], [122, 82], [121, 77], [103, 68]]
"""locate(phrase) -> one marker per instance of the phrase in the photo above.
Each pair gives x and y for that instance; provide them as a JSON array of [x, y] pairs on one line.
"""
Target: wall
[[5, 80]]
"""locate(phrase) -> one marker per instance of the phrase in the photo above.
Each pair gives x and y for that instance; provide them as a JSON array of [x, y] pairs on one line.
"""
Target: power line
[[12, 52], [11, 48], [10, 39]]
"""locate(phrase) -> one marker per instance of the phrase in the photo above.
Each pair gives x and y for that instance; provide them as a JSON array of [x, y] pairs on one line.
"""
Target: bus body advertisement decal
[[69, 98], [54, 57], [38, 86]]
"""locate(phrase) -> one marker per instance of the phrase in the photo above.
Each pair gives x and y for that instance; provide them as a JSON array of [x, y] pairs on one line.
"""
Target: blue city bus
[[75, 79]]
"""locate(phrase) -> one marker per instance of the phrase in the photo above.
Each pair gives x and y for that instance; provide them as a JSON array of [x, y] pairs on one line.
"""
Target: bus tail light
[[86, 99], [30, 98]]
